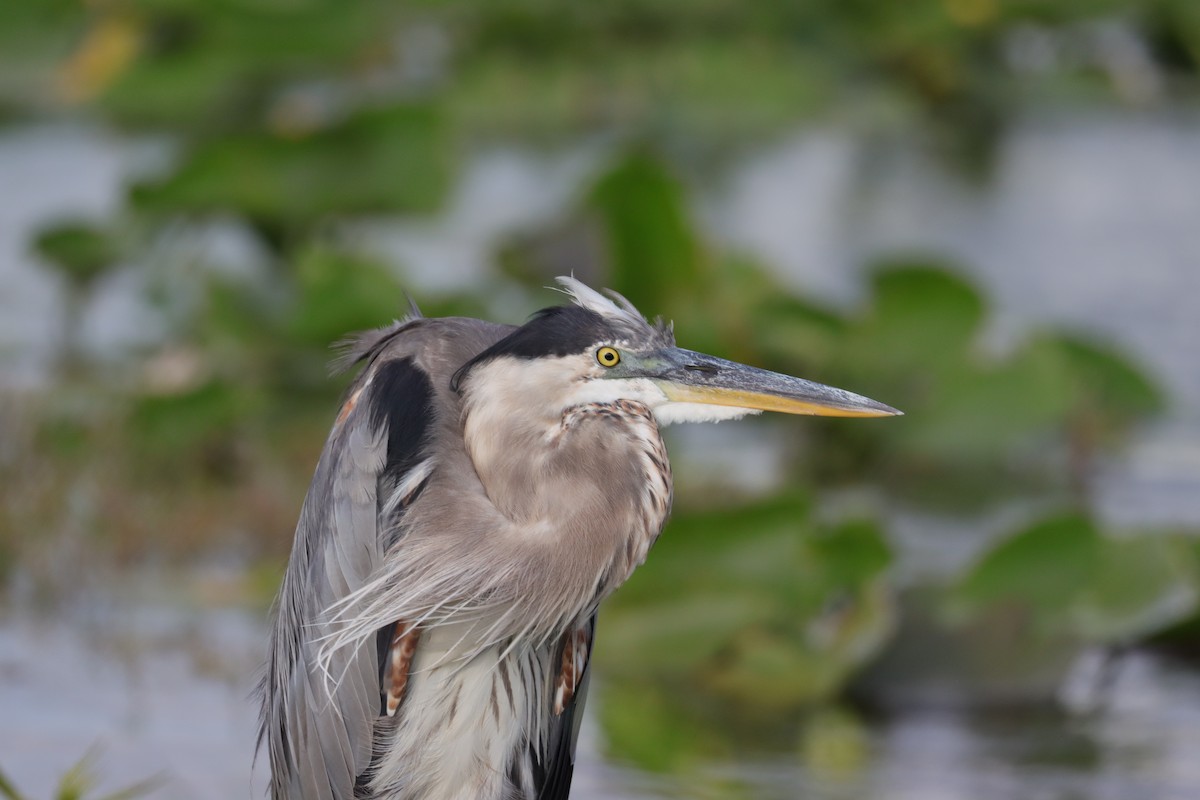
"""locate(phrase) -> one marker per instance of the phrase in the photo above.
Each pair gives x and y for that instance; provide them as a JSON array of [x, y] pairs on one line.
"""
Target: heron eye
[[608, 357]]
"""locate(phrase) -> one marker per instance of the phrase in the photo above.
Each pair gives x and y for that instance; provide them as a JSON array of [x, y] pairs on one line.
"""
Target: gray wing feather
[[319, 727], [326, 738]]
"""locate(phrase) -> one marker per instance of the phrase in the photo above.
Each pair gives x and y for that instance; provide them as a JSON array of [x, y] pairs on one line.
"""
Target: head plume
[[619, 312]]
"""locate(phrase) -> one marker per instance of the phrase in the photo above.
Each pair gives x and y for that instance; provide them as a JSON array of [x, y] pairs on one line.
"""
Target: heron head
[[602, 350]]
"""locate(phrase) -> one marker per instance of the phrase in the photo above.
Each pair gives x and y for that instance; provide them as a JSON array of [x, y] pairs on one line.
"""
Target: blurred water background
[[982, 213]]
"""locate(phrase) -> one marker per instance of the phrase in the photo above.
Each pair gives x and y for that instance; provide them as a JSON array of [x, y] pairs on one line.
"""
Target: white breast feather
[[458, 721]]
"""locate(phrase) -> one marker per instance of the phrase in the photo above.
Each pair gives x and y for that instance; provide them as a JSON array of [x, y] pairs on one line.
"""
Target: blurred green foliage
[[78, 250], [78, 783], [291, 118], [761, 607], [1067, 576], [378, 161]]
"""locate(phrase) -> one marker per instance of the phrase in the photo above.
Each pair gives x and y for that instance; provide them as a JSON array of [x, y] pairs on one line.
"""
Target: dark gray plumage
[[483, 489]]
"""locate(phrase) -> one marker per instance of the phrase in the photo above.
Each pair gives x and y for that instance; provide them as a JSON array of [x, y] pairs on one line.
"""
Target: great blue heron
[[483, 489]]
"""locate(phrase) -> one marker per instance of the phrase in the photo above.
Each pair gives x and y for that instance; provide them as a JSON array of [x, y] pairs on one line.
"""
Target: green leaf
[[7, 789], [652, 249], [712, 84], [775, 671], [755, 604], [724, 546], [197, 425], [984, 415], [339, 294], [81, 251], [387, 160], [672, 635], [835, 745], [77, 782], [851, 553], [797, 332], [189, 90], [644, 727], [1042, 567], [923, 313], [1141, 585], [914, 346], [212, 66], [1098, 588], [1100, 380]]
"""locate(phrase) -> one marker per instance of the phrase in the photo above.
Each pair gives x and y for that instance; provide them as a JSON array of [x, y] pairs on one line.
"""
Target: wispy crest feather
[[615, 307]]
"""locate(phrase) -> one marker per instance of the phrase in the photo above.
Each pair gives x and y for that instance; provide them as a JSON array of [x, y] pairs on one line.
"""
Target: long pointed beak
[[689, 377]]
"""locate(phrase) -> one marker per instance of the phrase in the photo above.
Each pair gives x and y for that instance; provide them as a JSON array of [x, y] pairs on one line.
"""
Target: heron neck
[[591, 484], [517, 458], [554, 468]]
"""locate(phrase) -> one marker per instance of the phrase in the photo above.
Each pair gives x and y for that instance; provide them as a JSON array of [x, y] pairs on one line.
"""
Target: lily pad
[[1043, 567], [1142, 584], [387, 160], [1070, 578]]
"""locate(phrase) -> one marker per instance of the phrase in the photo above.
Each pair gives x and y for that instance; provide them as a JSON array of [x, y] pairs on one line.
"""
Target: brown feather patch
[[351, 402], [400, 658], [574, 659]]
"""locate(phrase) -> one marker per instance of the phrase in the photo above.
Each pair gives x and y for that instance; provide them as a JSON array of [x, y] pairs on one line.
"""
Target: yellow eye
[[608, 357]]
